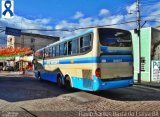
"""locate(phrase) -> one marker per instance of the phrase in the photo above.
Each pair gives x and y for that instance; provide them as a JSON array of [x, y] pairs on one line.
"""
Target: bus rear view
[[115, 59]]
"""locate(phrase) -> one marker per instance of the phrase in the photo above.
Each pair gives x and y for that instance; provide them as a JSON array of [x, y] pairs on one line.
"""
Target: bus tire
[[68, 83], [59, 81]]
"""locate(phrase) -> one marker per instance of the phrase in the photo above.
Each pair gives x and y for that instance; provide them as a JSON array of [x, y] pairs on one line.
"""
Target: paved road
[[28, 94], [21, 88], [134, 93], [13, 89]]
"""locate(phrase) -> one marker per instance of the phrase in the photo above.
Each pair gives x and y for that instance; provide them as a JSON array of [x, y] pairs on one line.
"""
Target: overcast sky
[[69, 14]]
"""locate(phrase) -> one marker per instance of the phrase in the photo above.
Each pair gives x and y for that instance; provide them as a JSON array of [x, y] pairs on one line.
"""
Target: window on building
[[32, 40]]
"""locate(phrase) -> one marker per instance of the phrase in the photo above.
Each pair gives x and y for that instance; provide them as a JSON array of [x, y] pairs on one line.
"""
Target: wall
[[136, 54], [145, 52], [26, 41]]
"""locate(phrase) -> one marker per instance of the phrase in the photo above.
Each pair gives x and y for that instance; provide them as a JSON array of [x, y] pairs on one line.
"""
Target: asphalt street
[[31, 97]]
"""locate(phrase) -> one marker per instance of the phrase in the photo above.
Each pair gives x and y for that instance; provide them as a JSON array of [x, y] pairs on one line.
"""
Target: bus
[[97, 59]]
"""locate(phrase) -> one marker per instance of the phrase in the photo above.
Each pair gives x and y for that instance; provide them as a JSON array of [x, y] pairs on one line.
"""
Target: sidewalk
[[17, 73], [11, 73], [150, 84], [29, 73]]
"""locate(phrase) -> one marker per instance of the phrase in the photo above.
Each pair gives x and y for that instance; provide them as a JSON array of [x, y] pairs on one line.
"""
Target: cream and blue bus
[[98, 59]]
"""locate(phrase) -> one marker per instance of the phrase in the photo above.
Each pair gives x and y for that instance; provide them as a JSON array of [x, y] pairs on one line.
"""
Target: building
[[158, 27], [29, 40], [150, 51]]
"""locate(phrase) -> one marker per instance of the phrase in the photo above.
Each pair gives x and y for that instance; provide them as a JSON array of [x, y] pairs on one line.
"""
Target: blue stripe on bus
[[106, 50], [92, 60], [98, 59], [103, 85], [96, 84], [79, 60]]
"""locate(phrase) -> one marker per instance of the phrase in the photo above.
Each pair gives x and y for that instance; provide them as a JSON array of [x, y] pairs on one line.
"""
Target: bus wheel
[[59, 81], [68, 83]]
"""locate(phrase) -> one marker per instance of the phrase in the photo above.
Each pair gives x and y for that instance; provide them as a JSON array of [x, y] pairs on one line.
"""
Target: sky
[[71, 14]]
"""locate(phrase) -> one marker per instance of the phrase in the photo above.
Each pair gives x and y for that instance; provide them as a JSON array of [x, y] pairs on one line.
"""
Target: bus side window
[[53, 50], [57, 50], [40, 56], [50, 52], [75, 47], [85, 43], [44, 53], [61, 49], [81, 43], [65, 49], [70, 48]]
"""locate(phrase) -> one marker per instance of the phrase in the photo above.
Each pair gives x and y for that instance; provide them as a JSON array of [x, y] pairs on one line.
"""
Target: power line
[[104, 25], [74, 29], [80, 28]]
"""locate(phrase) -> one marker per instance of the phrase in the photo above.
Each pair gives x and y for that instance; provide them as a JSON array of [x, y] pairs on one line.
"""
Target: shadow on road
[[134, 93], [14, 89]]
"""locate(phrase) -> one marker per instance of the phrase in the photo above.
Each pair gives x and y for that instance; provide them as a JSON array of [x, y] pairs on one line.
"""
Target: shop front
[[24, 63]]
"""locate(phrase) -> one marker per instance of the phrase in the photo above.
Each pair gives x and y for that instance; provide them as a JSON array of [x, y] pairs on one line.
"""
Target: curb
[[153, 85], [10, 73]]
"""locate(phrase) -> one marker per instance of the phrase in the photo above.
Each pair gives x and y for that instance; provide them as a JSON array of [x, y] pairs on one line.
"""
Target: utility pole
[[139, 38]]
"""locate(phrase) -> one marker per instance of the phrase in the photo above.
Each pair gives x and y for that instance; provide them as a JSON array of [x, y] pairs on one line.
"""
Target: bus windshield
[[115, 37]]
